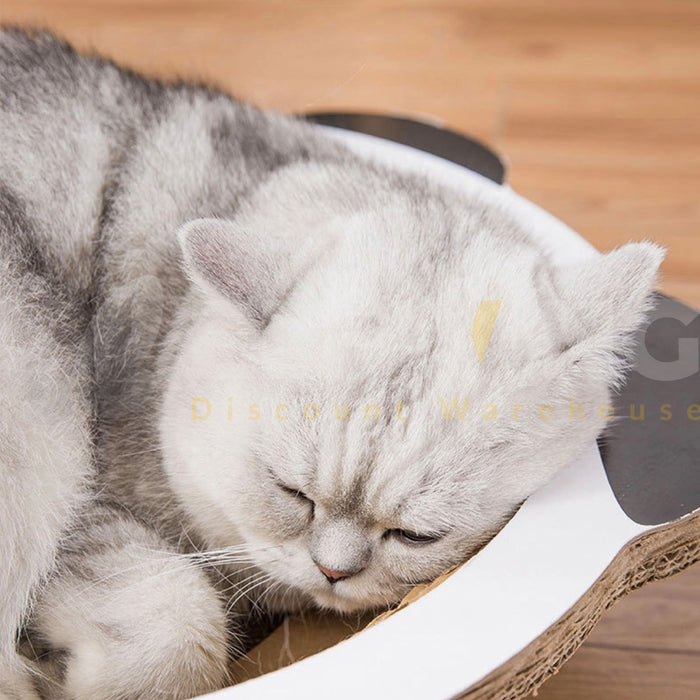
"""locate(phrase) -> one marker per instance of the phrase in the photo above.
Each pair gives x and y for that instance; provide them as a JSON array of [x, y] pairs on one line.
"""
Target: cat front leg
[[131, 617]]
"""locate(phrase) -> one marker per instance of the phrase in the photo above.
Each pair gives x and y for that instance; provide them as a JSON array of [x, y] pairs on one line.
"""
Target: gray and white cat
[[229, 349]]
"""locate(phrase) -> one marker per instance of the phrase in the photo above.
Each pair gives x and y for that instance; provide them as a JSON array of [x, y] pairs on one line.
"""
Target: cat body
[[165, 247]]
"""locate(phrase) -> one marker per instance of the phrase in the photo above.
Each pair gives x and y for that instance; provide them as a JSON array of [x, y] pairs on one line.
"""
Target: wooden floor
[[646, 648], [595, 105]]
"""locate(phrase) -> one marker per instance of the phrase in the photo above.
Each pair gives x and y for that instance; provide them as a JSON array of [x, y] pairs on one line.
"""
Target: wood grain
[[602, 674], [647, 646], [596, 106]]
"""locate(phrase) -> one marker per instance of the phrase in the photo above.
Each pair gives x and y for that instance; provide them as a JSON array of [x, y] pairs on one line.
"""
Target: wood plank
[[624, 674], [646, 646], [664, 615]]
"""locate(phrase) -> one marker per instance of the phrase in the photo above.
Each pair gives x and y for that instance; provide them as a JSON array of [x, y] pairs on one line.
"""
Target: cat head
[[375, 375]]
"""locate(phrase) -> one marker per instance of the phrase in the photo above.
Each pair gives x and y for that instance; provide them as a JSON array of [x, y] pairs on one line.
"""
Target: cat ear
[[254, 272], [604, 300]]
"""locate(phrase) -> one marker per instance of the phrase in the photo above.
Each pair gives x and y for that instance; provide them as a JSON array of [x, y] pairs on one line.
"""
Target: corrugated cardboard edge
[[652, 556]]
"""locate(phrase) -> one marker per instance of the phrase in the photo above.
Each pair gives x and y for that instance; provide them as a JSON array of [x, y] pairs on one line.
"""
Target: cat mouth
[[332, 596], [342, 605]]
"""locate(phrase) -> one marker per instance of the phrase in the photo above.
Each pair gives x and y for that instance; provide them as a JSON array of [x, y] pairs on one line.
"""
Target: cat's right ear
[[600, 303], [251, 271]]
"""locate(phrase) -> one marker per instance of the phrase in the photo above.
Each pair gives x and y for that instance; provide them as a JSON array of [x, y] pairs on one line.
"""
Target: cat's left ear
[[252, 271]]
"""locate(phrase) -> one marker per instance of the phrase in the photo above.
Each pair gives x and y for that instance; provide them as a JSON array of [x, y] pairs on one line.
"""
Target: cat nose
[[333, 576]]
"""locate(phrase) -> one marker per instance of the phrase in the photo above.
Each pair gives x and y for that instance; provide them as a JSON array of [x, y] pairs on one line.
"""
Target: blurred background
[[594, 105]]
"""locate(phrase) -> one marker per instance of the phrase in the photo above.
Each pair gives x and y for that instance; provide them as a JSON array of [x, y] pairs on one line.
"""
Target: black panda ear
[[253, 272]]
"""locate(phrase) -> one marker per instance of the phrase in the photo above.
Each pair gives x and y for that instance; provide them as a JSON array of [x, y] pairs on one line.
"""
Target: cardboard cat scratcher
[[627, 512]]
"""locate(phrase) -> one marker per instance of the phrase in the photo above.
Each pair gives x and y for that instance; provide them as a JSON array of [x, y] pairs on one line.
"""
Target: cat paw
[[156, 629], [187, 667], [181, 660]]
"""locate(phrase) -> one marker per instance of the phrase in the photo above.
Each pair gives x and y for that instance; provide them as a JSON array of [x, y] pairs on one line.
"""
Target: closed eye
[[295, 492], [412, 537]]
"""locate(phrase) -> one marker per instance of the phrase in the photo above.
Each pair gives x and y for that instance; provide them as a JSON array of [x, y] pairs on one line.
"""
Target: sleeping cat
[[237, 374]]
